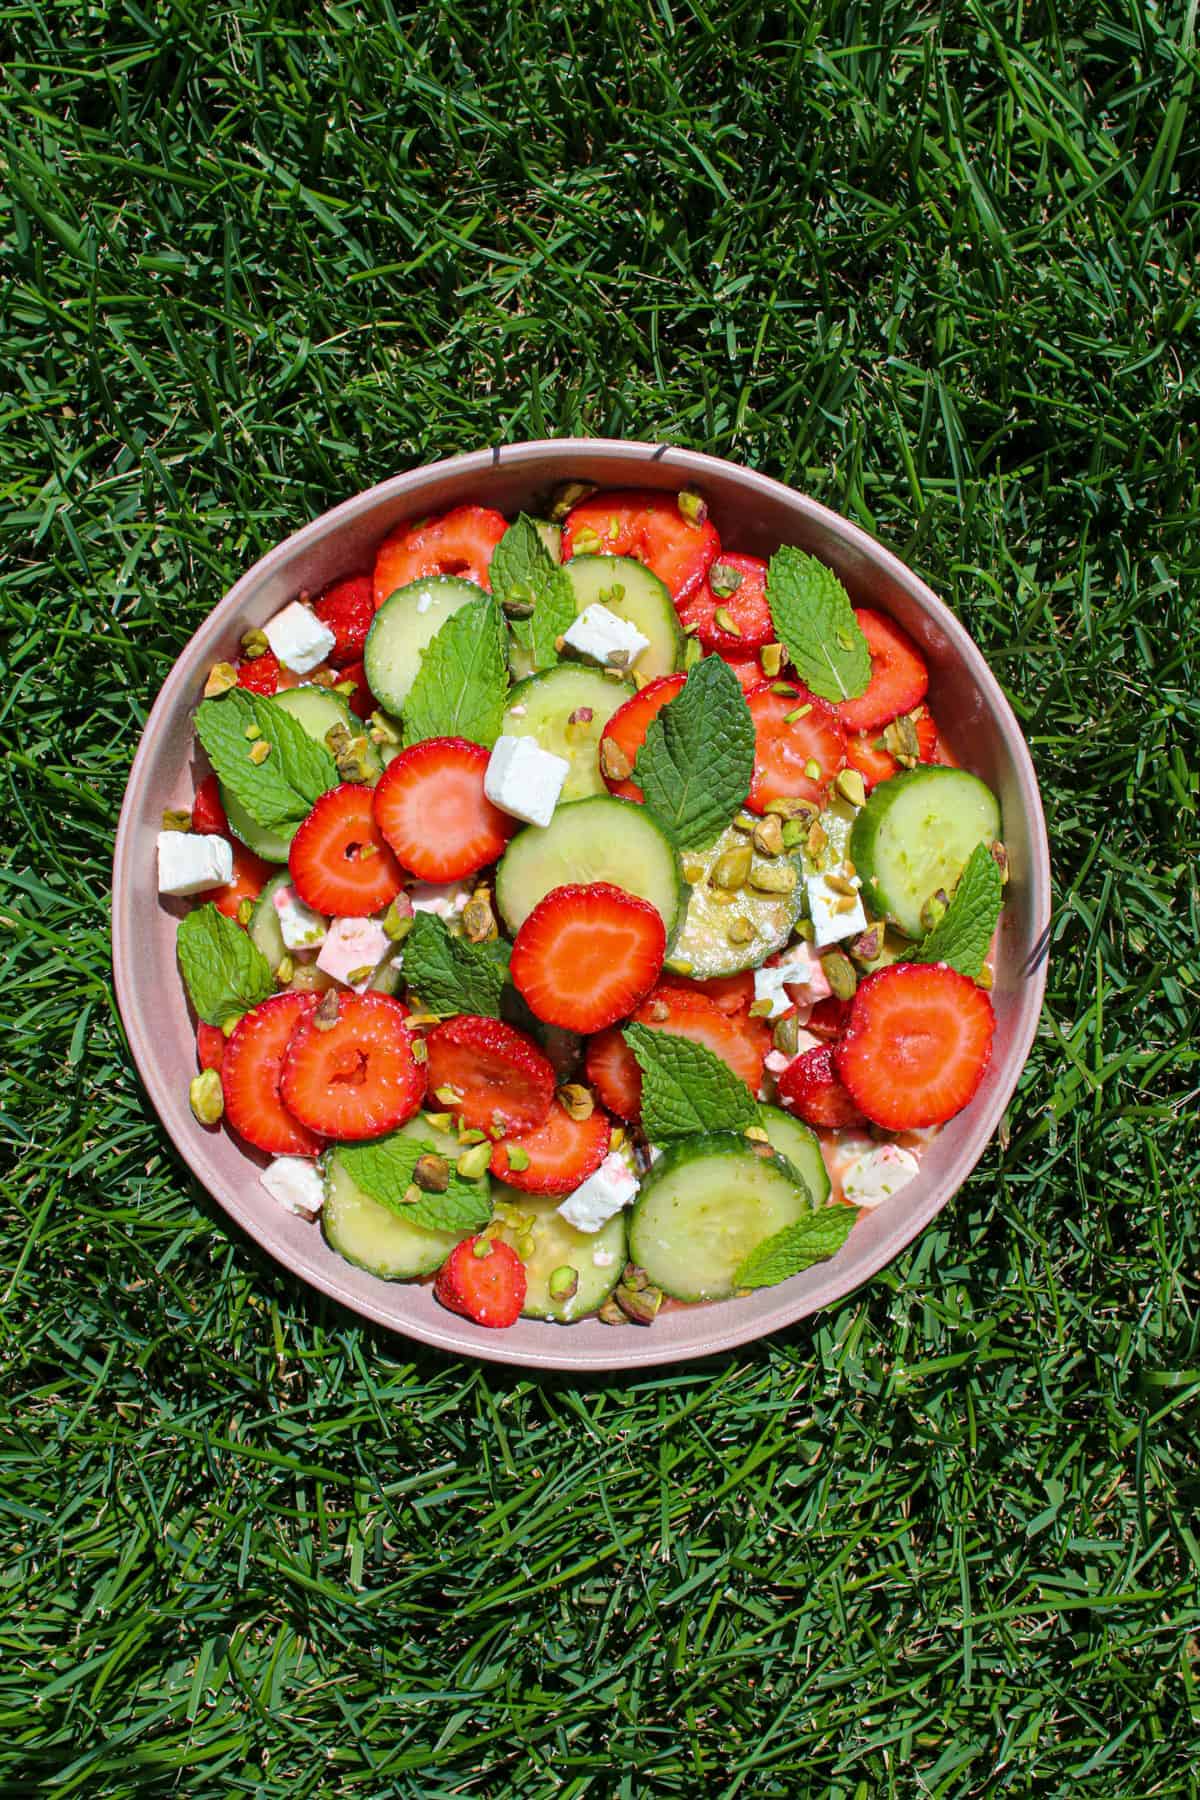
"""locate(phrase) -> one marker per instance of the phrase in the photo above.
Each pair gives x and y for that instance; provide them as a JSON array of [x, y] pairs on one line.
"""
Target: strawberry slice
[[458, 542], [809, 1087], [362, 701], [432, 810], [748, 670], [259, 675], [865, 751], [899, 678], [349, 1071], [251, 1072], [828, 1018], [504, 1081], [346, 608], [560, 1154], [745, 607], [648, 526], [917, 1045], [793, 756], [339, 862], [728, 993], [628, 726], [250, 874], [484, 1280], [587, 954], [210, 1046], [208, 814], [739, 1041]]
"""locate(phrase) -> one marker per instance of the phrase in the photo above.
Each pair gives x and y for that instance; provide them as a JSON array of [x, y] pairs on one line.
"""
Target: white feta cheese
[[601, 1196], [296, 1184], [878, 1174], [424, 601], [353, 947], [298, 638], [801, 967], [602, 1258], [445, 898], [606, 638], [523, 779], [299, 926], [190, 862], [777, 1060], [829, 925]]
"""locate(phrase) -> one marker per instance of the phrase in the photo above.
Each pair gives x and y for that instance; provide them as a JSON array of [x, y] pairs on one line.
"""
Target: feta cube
[[300, 927], [801, 967], [298, 638], [523, 779], [601, 634], [353, 947], [778, 1060], [878, 1174], [191, 862], [295, 1182], [447, 899], [601, 1196], [829, 925]]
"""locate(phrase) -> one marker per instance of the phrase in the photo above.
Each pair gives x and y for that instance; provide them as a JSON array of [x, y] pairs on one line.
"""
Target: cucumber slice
[[597, 1257], [602, 839], [318, 710], [402, 627], [630, 590], [551, 536], [263, 928], [371, 1235], [914, 836], [541, 708], [703, 1207], [704, 947], [802, 1147]]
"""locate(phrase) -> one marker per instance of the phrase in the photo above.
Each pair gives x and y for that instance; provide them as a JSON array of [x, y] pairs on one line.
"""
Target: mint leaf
[[280, 792], [685, 1088], [462, 683], [815, 623], [225, 972], [523, 572], [810, 1240], [384, 1170], [963, 936], [696, 763], [451, 974]]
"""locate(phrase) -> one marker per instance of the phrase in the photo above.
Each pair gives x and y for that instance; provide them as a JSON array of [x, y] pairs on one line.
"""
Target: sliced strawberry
[[560, 1154], [809, 1087], [941, 753], [865, 751], [432, 810], [339, 862], [728, 993], [748, 670], [648, 526], [250, 874], [917, 1045], [484, 1280], [793, 756], [459, 542], [210, 1046], [628, 726], [346, 608], [745, 607], [739, 1041], [504, 1081], [260, 674], [251, 1072], [587, 954], [829, 1018], [613, 1072], [208, 814], [353, 1075], [899, 677], [362, 701]]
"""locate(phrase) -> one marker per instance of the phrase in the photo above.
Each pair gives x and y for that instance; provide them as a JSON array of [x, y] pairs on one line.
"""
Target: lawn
[[935, 267]]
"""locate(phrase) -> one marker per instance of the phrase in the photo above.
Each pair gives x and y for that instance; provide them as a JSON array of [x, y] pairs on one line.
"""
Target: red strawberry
[[561, 1153], [484, 1280], [362, 701], [788, 748], [346, 608], [250, 873], [459, 542], [208, 814], [828, 1018], [339, 862], [865, 752], [260, 675], [809, 1087], [505, 1082], [587, 954], [917, 1045], [210, 1046], [728, 993], [351, 1073], [628, 726], [899, 677], [648, 526], [748, 670], [746, 606], [251, 1073], [739, 1041], [431, 808]]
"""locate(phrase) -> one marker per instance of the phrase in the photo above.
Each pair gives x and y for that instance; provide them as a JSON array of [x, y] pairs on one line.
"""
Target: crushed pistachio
[[438, 1121], [583, 715], [470, 1134], [732, 868], [793, 835], [474, 1162], [745, 822], [614, 764], [786, 1035], [525, 1246], [724, 620], [639, 1304], [851, 786], [724, 579], [432, 1173], [260, 751], [610, 1313], [577, 1101], [692, 652], [787, 688], [587, 542], [838, 884], [396, 923], [254, 644], [659, 1011], [1000, 858], [569, 494], [326, 1015], [934, 910], [771, 658], [351, 753], [756, 1134], [762, 1009], [206, 1097], [285, 969], [812, 769], [383, 730], [840, 973], [816, 841], [518, 1159], [420, 1050], [245, 911], [478, 920], [221, 678], [901, 741], [363, 973], [739, 931], [448, 1095], [482, 1248], [984, 978], [693, 506], [773, 878], [867, 946], [563, 1283], [693, 869], [768, 835], [230, 1025], [176, 819]]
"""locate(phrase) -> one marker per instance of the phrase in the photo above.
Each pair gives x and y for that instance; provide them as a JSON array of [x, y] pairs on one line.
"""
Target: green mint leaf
[[462, 684], [523, 571], [810, 1240], [685, 1088], [815, 623], [280, 792], [963, 936], [225, 972], [696, 763], [384, 1170], [451, 974]]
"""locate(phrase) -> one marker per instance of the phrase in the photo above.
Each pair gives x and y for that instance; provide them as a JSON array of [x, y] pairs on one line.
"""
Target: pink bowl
[[757, 514]]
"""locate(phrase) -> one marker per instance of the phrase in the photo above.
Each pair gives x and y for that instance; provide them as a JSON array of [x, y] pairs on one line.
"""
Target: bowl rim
[[738, 1323]]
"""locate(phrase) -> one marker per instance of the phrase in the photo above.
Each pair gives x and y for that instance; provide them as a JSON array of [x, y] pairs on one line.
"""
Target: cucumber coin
[[401, 629], [630, 590], [726, 930], [263, 928], [914, 836], [318, 710], [602, 839], [802, 1148], [598, 1258], [543, 708], [375, 1238]]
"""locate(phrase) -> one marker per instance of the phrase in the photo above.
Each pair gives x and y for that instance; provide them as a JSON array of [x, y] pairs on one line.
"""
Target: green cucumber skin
[[317, 710], [373, 1237], [801, 1146], [263, 928], [647, 604], [549, 698], [557, 1244], [879, 851], [399, 634], [517, 894], [702, 948]]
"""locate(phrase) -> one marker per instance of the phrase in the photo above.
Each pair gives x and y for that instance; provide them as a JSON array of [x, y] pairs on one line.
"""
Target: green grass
[[934, 266]]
